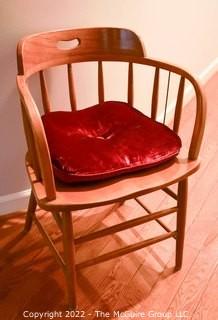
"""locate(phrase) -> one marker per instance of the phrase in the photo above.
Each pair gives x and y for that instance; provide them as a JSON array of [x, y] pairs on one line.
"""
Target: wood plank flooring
[[142, 283]]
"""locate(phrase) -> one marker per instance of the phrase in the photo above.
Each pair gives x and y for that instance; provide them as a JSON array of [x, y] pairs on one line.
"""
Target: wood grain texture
[[207, 307], [193, 287]]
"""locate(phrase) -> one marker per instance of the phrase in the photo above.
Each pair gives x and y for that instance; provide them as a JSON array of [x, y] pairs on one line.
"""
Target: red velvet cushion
[[106, 140]]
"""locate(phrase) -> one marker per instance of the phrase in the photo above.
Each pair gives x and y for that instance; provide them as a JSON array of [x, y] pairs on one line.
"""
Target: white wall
[[183, 32]]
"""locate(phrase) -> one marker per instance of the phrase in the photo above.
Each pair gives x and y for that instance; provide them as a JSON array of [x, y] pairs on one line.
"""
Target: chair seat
[[106, 140], [112, 190]]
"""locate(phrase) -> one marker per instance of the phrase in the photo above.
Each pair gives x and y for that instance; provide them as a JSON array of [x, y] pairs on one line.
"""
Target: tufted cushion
[[106, 140]]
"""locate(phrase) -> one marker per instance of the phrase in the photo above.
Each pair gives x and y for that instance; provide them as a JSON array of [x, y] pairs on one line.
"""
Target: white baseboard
[[14, 202], [209, 71], [19, 200]]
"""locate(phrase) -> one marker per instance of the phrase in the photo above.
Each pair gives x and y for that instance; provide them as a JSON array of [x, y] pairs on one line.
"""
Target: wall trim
[[209, 71], [14, 201], [19, 200]]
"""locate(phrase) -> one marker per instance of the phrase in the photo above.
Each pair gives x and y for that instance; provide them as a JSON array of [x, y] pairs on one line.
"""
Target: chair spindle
[[100, 82], [167, 94], [44, 91], [178, 109], [71, 87], [154, 104], [130, 84]]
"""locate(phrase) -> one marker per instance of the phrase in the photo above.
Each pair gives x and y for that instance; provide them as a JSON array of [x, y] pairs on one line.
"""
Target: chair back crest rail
[[37, 53], [42, 51]]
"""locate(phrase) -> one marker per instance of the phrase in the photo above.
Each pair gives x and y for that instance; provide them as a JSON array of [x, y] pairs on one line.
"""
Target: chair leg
[[69, 255], [30, 211], [181, 220]]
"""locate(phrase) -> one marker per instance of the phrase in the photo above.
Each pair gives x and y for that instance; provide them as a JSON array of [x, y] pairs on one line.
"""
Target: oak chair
[[39, 52]]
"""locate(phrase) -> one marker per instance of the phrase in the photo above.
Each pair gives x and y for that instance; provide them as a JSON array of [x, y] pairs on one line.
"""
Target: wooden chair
[[39, 52]]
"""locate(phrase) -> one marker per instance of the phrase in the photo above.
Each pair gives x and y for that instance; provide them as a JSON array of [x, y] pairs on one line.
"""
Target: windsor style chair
[[40, 52]]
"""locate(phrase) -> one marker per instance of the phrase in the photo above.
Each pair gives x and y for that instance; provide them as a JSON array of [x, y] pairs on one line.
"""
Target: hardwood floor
[[140, 282]]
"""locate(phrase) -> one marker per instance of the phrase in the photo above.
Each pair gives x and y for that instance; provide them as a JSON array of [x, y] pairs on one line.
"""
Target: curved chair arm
[[37, 139]]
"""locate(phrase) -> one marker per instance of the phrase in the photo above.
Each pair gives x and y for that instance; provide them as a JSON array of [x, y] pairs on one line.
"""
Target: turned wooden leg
[[69, 255], [181, 220], [30, 211]]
